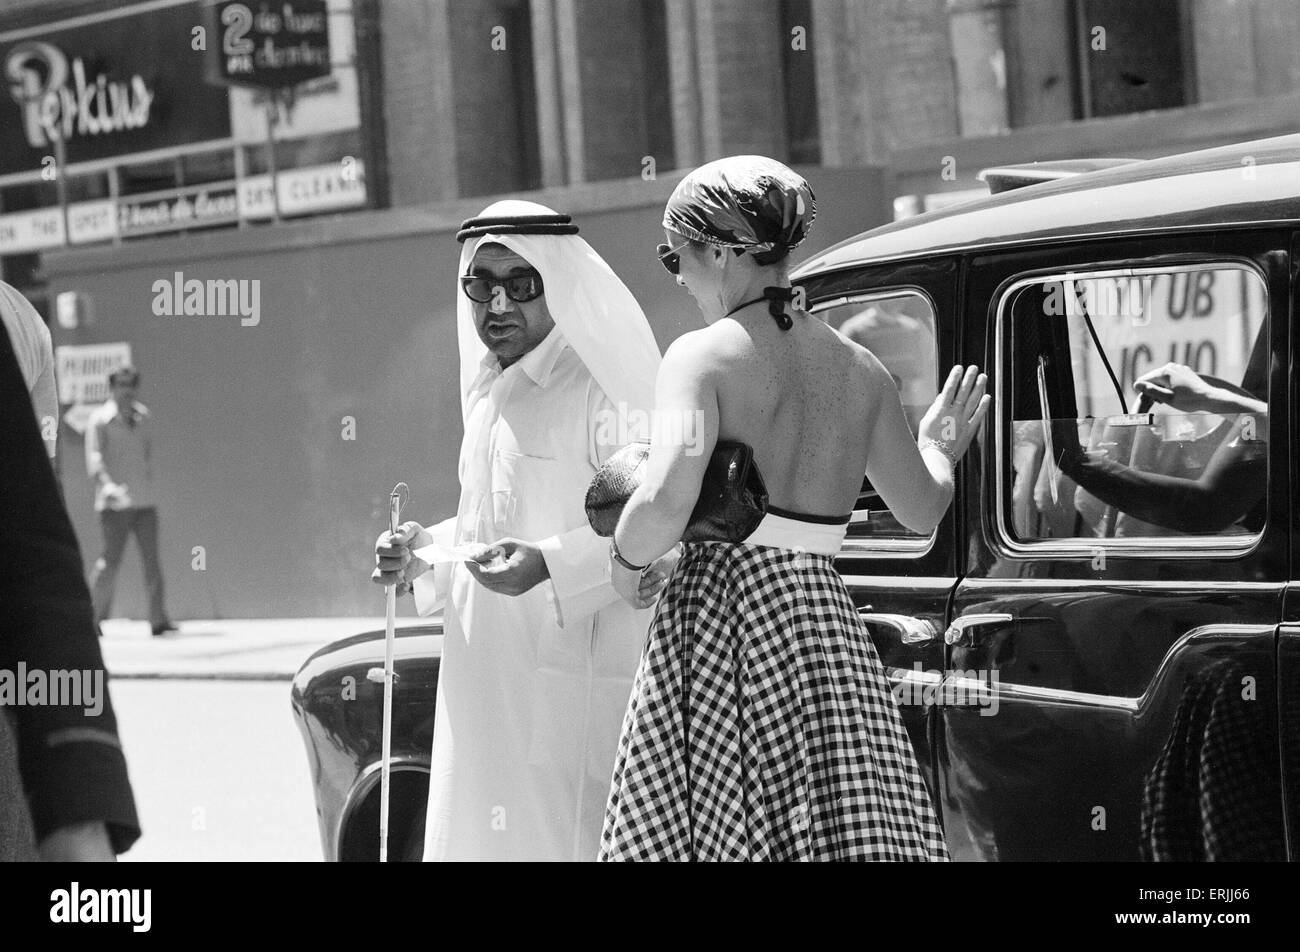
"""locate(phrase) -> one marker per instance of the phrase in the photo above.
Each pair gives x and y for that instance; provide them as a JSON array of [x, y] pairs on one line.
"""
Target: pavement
[[247, 649]]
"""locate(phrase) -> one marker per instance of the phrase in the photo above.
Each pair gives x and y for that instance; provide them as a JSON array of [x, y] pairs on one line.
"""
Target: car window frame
[[885, 548], [1076, 547]]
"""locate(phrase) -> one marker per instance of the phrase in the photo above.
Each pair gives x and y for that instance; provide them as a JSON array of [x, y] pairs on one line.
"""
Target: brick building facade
[[436, 106]]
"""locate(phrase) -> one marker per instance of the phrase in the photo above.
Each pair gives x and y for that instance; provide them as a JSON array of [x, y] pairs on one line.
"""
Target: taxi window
[[898, 327], [1134, 406]]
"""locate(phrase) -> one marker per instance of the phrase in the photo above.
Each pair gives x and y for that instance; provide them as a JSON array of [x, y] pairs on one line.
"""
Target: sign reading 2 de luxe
[[268, 45], [107, 84]]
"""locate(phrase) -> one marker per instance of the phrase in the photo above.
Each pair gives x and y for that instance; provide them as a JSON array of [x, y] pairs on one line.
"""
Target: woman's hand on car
[[955, 416], [395, 561]]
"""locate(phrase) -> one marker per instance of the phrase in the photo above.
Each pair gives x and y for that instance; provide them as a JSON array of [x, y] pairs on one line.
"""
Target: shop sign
[[106, 85], [320, 188], [82, 370], [268, 45], [198, 206]]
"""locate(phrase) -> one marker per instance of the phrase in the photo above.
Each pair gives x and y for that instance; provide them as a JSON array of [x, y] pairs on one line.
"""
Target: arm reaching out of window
[[1184, 389], [1229, 488]]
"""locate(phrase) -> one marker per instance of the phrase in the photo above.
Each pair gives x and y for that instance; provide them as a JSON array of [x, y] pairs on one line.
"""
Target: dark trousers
[[117, 525], [17, 842]]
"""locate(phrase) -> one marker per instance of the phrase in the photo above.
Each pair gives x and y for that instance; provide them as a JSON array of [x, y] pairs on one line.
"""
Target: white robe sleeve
[[431, 588], [578, 560]]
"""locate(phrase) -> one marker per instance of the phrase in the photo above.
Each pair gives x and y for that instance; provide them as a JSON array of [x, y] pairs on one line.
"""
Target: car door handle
[[962, 623], [913, 631]]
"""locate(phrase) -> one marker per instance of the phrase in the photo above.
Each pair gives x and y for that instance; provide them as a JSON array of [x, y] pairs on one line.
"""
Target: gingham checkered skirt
[[794, 748]]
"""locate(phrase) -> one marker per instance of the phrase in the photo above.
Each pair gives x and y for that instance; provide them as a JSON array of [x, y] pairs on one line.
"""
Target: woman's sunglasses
[[671, 258], [520, 288]]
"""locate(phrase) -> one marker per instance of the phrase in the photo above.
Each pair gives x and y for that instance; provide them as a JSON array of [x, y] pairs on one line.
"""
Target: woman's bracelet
[[618, 557], [944, 448]]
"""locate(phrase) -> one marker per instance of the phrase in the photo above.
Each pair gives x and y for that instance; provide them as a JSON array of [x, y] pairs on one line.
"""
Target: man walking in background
[[118, 457]]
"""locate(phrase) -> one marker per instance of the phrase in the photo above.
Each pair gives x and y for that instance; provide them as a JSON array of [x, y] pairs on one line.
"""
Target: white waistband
[[782, 533]]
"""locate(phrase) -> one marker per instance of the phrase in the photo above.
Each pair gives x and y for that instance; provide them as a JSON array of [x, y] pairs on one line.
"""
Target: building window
[[1141, 66], [495, 98], [1083, 59], [802, 129], [626, 98], [141, 178]]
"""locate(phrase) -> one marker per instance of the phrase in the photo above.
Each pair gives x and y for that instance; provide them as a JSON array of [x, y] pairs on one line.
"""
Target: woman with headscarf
[[761, 724]]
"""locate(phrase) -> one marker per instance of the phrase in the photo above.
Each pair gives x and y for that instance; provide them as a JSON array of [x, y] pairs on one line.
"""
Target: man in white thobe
[[539, 651]]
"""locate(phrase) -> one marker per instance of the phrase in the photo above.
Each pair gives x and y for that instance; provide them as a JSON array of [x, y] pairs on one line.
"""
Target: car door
[[1110, 673], [1288, 650], [900, 581]]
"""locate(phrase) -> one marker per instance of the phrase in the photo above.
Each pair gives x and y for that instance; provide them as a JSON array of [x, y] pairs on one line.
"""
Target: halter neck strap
[[776, 299]]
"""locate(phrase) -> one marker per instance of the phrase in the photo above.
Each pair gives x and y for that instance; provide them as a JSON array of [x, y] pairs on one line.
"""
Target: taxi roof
[[1244, 184]]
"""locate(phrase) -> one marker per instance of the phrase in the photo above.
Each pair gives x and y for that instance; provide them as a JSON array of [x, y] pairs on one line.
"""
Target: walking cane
[[396, 499]]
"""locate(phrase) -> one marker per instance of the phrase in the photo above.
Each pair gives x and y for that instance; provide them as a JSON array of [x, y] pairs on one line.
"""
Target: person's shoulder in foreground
[[72, 765]]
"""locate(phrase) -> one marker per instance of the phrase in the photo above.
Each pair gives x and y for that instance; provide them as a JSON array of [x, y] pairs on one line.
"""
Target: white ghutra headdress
[[592, 307]]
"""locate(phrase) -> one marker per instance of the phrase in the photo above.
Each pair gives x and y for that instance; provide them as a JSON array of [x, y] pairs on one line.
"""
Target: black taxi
[[1097, 652]]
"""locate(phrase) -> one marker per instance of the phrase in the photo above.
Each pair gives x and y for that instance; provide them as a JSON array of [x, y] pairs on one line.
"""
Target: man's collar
[[540, 361], [537, 363], [115, 408]]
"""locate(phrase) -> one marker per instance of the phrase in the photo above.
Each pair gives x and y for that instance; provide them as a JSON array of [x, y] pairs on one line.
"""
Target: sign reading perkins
[[58, 106], [106, 84]]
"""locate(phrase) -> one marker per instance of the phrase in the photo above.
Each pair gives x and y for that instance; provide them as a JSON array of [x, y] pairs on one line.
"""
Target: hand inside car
[[1177, 385], [394, 562], [509, 567]]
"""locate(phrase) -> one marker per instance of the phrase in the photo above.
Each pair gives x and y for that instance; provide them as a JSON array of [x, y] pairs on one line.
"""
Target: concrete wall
[[357, 320]]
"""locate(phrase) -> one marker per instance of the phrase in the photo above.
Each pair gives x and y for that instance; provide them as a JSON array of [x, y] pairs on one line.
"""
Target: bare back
[[804, 400]]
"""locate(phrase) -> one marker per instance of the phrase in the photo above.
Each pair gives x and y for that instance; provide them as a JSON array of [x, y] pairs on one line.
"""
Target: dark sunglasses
[[671, 258], [520, 288]]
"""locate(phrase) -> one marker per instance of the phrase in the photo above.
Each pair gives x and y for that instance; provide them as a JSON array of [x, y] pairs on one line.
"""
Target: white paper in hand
[[435, 553]]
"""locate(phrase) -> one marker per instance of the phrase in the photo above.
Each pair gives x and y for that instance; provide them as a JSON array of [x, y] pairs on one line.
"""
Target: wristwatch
[[618, 557]]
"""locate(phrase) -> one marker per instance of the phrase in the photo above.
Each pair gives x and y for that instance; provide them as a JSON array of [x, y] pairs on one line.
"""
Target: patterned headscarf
[[745, 201]]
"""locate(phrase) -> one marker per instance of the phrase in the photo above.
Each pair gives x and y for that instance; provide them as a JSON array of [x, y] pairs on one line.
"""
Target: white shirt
[[124, 453], [532, 689]]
